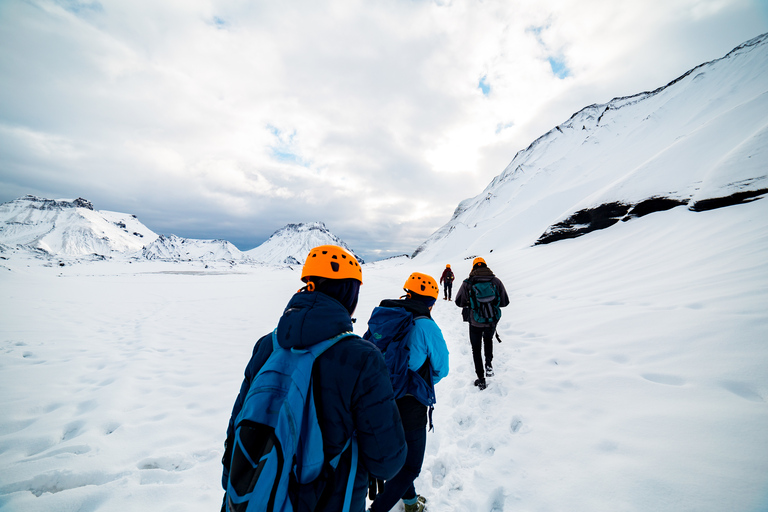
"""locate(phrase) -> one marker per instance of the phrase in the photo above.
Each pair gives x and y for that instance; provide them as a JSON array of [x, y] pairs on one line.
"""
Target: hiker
[[417, 359], [481, 295], [447, 281], [352, 393]]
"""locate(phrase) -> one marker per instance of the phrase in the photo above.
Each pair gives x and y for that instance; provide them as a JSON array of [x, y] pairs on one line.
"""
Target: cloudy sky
[[231, 118]]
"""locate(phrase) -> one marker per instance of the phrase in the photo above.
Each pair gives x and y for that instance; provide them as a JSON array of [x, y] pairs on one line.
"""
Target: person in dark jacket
[[447, 281], [428, 357], [353, 393], [481, 335]]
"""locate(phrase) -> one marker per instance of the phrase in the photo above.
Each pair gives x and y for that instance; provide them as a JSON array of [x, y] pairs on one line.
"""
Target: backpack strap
[[317, 348], [429, 414], [352, 474], [352, 441]]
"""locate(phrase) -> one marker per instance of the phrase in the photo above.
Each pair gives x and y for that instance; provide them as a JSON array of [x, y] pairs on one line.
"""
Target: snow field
[[631, 376]]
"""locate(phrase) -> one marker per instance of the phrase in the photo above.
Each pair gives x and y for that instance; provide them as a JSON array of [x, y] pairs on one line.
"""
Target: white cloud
[[256, 114]]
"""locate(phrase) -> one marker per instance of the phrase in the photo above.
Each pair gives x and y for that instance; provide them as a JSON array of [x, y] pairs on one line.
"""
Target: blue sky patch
[[484, 85], [283, 150], [558, 67]]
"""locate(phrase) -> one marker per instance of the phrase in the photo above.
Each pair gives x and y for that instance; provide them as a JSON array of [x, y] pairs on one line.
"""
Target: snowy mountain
[[701, 142], [291, 245], [174, 248], [70, 228]]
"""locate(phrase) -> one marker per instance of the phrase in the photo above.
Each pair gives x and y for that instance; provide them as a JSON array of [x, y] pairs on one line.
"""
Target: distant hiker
[[356, 430], [417, 358], [482, 295], [447, 281]]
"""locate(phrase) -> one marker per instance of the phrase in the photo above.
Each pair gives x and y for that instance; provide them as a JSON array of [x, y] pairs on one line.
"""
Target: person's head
[[448, 265], [479, 262], [422, 287], [332, 270]]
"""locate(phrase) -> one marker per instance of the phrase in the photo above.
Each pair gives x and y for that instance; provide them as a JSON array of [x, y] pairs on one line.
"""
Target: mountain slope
[[70, 228], [291, 244], [699, 141]]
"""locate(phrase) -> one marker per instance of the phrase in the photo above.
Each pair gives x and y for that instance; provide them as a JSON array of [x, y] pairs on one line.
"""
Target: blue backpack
[[388, 329], [484, 302], [278, 444]]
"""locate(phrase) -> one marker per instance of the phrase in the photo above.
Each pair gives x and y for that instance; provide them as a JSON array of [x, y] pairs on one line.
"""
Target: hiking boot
[[416, 507], [480, 383], [489, 370]]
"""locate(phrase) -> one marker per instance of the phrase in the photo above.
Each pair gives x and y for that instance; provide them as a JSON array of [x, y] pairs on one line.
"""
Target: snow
[[631, 376]]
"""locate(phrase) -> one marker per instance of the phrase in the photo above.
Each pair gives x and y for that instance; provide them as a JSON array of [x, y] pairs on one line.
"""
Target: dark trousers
[[481, 338], [401, 485], [447, 289]]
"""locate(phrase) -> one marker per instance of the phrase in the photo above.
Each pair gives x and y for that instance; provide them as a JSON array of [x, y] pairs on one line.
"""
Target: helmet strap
[[309, 288]]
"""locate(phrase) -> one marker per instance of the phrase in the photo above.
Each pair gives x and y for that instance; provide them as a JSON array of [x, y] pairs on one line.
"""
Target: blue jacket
[[426, 341], [352, 391], [426, 345]]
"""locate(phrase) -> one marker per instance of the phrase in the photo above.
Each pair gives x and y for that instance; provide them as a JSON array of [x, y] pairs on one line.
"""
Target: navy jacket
[[352, 393]]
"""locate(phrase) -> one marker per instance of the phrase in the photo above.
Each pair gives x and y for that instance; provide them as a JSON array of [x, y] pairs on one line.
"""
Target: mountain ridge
[[698, 141], [51, 228]]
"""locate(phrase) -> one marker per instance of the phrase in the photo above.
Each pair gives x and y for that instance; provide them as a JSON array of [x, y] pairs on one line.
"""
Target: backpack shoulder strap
[[317, 348], [351, 442]]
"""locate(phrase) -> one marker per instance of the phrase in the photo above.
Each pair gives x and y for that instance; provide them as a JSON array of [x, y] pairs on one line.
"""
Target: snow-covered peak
[[291, 244], [699, 141], [70, 227]]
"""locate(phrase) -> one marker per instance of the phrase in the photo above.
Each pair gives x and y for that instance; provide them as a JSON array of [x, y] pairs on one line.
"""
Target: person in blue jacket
[[429, 358], [353, 392]]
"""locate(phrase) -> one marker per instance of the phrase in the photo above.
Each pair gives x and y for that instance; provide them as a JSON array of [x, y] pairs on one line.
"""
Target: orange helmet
[[448, 266], [478, 260], [331, 262], [422, 284]]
